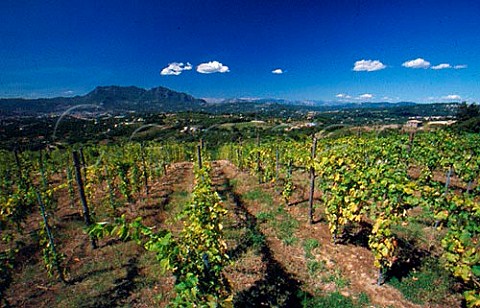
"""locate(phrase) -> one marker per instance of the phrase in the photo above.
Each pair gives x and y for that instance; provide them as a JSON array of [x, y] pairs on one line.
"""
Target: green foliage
[[337, 278], [285, 228], [125, 188], [197, 257], [314, 267], [6, 266], [256, 238], [335, 300], [202, 249], [466, 111], [309, 245], [265, 217], [288, 187], [429, 285], [258, 195]]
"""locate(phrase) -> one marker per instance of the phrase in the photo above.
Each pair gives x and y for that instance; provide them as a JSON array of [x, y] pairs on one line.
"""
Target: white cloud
[[368, 65], [452, 97], [417, 63], [441, 66], [212, 67], [277, 71], [342, 95], [176, 68], [366, 96], [459, 67]]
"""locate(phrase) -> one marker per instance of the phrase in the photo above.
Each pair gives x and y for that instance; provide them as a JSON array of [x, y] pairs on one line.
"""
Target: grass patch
[[336, 300], [283, 223], [255, 238], [285, 229], [92, 291], [363, 300], [430, 284], [309, 245], [412, 231], [337, 278], [263, 217], [258, 195], [177, 202], [313, 267], [233, 182]]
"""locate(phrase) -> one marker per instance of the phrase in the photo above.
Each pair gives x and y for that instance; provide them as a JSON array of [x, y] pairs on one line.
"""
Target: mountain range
[[113, 99], [118, 99]]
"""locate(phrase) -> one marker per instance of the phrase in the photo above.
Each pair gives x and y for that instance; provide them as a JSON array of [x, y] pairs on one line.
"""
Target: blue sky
[[358, 50]]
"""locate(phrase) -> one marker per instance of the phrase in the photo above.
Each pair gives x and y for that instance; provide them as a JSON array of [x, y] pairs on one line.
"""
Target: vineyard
[[383, 219]]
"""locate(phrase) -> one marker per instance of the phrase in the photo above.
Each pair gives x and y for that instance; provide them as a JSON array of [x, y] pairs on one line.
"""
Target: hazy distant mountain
[[117, 99], [232, 105], [110, 98], [310, 103]]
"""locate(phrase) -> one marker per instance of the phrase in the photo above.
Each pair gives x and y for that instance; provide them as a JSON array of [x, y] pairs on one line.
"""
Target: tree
[[468, 117], [467, 111]]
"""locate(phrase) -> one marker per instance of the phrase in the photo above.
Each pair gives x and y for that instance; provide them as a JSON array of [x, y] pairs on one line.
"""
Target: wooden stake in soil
[[81, 190], [199, 156], [381, 276], [144, 168], [50, 238], [411, 137], [84, 164], [312, 179]]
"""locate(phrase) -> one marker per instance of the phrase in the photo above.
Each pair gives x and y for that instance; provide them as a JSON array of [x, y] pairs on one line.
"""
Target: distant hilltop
[[120, 99], [110, 98]]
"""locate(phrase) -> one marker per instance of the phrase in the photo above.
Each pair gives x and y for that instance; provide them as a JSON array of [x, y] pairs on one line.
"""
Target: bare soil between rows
[[270, 274]]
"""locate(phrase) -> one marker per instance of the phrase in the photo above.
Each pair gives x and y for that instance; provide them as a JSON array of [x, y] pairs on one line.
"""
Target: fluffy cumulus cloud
[[441, 66], [176, 68], [277, 71], [460, 66], [365, 96], [343, 95], [417, 63], [452, 97], [368, 65], [212, 67]]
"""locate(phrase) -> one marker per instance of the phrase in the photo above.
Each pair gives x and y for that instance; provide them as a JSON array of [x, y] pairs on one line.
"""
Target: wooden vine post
[[199, 156], [144, 168], [312, 179], [83, 164], [81, 190], [411, 138], [50, 238]]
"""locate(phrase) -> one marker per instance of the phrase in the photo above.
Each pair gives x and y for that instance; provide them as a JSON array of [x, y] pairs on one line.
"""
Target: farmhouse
[[413, 124]]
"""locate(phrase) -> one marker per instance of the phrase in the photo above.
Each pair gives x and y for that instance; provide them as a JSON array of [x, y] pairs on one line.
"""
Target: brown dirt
[[112, 260], [123, 273], [355, 263]]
